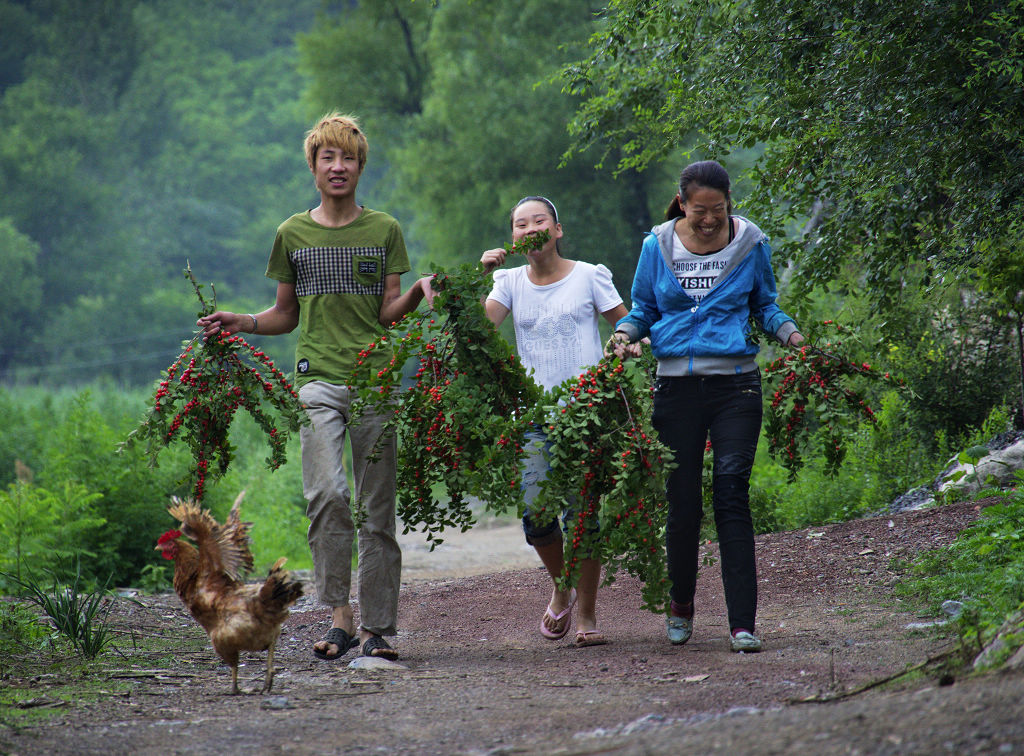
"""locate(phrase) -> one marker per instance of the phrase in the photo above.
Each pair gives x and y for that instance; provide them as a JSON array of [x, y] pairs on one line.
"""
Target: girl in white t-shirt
[[555, 304]]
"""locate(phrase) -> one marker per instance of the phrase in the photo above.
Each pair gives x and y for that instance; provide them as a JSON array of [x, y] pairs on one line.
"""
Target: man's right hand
[[230, 322]]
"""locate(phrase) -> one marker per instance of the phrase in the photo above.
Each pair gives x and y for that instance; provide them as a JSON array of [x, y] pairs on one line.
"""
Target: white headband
[[538, 198]]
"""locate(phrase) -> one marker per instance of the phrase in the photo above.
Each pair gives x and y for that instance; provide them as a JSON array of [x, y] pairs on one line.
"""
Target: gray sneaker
[[744, 641], [679, 630]]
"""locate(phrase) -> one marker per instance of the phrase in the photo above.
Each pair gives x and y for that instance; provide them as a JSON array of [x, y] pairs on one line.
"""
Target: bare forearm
[[281, 317], [274, 321], [395, 307]]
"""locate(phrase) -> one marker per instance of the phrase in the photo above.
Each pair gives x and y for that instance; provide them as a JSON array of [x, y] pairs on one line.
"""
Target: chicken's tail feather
[[280, 587]]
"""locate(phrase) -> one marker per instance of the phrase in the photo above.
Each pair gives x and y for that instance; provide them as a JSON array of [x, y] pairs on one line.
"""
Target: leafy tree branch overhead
[[893, 127]]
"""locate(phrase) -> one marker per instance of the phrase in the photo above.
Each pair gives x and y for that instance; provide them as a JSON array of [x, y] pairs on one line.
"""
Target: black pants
[[687, 410]]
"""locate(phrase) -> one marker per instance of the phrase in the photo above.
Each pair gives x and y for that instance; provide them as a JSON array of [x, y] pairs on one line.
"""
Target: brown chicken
[[237, 616]]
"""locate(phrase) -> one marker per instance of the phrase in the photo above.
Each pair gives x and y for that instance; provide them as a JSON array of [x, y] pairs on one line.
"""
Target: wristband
[[255, 323]]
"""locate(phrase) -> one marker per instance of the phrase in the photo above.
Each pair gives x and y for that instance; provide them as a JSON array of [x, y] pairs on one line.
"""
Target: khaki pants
[[327, 507]]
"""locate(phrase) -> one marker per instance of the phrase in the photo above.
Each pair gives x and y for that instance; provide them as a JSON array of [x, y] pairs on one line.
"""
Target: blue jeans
[[535, 472], [687, 410]]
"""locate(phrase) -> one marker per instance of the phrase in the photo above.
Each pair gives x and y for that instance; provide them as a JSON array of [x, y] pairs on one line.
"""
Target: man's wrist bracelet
[[255, 323]]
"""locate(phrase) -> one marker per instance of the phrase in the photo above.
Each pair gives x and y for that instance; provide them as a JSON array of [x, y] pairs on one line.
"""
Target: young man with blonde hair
[[338, 268]]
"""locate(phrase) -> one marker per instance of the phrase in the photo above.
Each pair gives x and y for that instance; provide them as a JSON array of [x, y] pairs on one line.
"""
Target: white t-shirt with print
[[556, 324]]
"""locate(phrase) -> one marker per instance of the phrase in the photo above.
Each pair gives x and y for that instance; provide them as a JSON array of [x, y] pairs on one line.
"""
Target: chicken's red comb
[[170, 535]]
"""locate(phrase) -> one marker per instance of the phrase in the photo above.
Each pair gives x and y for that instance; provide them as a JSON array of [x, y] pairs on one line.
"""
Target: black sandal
[[339, 638], [377, 646]]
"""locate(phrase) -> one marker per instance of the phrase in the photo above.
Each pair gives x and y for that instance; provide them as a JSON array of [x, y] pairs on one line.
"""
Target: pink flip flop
[[564, 614], [589, 638]]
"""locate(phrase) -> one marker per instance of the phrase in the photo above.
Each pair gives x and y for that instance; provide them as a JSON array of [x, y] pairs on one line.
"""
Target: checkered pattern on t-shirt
[[328, 270]]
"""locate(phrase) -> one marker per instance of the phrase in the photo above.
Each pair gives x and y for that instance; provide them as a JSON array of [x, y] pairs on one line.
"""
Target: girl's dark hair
[[532, 198], [706, 173], [543, 200]]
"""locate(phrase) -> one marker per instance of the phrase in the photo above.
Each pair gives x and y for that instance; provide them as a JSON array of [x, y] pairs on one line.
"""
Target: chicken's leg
[[268, 679]]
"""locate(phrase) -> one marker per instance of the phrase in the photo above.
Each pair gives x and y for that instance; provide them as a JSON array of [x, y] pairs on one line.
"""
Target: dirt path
[[479, 679]]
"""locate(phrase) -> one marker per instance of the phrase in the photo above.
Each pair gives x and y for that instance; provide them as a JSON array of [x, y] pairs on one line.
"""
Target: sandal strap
[[377, 643], [339, 638]]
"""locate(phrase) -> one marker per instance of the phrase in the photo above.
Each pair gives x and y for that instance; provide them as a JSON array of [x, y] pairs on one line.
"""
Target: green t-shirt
[[339, 281]]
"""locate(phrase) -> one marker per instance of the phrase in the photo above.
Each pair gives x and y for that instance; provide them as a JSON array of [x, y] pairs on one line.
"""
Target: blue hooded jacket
[[710, 337]]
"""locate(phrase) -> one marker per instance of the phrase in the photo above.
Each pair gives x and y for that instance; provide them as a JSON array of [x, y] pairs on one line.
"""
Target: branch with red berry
[[607, 460], [812, 395], [461, 422], [200, 393]]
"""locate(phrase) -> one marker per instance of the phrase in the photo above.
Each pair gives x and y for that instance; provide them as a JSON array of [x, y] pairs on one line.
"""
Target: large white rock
[[998, 468]]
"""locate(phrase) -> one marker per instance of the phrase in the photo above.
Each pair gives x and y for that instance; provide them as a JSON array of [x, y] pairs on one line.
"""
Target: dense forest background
[[879, 145], [138, 135]]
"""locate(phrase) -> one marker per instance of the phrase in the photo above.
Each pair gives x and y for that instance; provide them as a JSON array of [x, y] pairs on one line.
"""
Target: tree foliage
[[135, 136], [892, 129], [469, 123], [170, 130], [40, 528]]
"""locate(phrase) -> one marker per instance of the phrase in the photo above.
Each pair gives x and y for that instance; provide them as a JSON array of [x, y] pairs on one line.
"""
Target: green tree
[[1001, 279], [371, 56], [18, 39], [168, 132], [19, 288], [43, 529], [471, 122], [892, 128]]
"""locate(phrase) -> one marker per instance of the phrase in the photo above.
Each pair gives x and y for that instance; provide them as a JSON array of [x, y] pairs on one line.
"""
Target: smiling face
[[336, 172], [706, 212], [336, 150], [531, 217]]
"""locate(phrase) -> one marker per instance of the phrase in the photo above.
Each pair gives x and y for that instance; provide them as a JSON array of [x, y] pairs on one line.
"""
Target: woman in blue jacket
[[702, 276]]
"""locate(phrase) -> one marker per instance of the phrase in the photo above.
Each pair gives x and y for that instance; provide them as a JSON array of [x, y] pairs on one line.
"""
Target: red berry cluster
[[461, 412], [607, 459], [203, 389], [461, 417], [819, 380]]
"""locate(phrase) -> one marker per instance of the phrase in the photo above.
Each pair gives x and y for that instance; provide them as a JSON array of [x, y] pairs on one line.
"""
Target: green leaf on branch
[[200, 393], [814, 395], [460, 425], [461, 430], [612, 466]]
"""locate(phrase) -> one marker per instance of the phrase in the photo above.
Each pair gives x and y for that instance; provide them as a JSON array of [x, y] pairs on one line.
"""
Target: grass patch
[[77, 615], [44, 675], [983, 568], [34, 702]]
